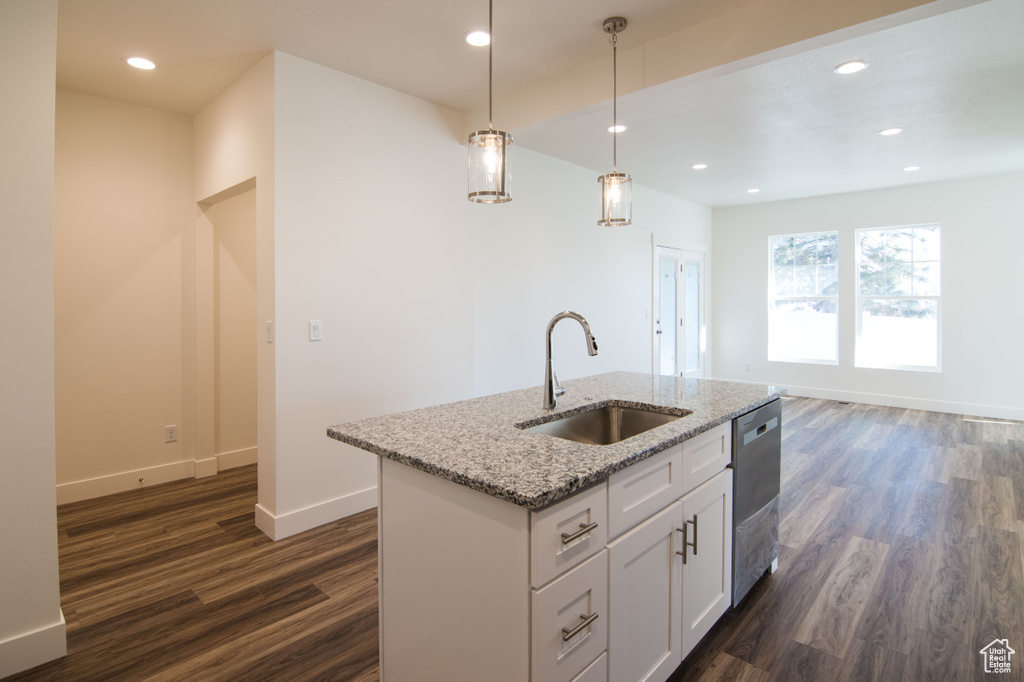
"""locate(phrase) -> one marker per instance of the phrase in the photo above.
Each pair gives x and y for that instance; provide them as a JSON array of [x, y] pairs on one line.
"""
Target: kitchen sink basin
[[608, 423]]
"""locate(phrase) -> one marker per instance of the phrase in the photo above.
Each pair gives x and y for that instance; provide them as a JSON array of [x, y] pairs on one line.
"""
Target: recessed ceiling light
[[890, 131], [141, 63], [478, 38], [699, 166], [847, 68], [753, 190], [616, 128], [911, 169]]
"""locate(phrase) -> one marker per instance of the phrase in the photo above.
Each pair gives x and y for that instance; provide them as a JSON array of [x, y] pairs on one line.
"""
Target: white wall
[[122, 203], [543, 253], [373, 238], [982, 326], [233, 152], [31, 624]]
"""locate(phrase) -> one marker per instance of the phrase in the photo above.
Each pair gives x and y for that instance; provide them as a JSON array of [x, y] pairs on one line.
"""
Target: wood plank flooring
[[176, 583], [902, 556]]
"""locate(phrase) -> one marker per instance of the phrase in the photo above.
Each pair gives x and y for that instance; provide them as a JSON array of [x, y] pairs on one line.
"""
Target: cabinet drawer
[[706, 454], [595, 672], [563, 642], [638, 492], [553, 547]]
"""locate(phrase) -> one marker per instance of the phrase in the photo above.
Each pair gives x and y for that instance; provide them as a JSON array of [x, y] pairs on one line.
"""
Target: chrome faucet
[[552, 389]]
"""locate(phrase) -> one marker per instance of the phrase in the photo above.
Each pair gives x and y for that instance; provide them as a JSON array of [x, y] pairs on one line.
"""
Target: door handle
[[584, 530], [585, 622], [686, 542]]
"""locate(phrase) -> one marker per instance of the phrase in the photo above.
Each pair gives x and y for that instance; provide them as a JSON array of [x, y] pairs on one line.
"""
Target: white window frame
[[862, 297], [774, 354]]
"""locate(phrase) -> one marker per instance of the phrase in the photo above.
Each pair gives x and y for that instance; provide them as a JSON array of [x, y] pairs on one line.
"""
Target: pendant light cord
[[615, 112], [490, 65]]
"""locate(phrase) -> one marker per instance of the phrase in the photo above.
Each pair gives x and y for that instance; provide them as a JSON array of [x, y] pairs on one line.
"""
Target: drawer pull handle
[[568, 634], [584, 530], [687, 543]]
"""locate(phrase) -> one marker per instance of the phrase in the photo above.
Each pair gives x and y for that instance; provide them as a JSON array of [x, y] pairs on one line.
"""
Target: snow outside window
[[803, 298], [898, 298]]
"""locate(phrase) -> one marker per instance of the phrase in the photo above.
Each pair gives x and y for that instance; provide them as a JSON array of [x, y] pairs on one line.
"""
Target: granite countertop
[[476, 442]]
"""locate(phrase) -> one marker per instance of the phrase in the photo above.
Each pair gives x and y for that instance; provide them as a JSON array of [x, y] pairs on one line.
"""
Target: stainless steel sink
[[608, 423]]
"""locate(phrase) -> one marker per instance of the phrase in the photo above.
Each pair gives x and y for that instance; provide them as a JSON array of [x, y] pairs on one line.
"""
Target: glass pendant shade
[[616, 199], [488, 167]]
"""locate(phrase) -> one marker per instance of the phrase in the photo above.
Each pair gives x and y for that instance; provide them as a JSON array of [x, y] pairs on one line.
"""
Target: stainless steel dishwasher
[[756, 463]]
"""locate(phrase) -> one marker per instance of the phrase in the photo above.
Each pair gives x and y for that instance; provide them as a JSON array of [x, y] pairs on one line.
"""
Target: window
[[898, 298], [803, 297]]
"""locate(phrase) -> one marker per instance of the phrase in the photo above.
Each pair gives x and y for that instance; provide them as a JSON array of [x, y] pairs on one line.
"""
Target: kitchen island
[[498, 545]]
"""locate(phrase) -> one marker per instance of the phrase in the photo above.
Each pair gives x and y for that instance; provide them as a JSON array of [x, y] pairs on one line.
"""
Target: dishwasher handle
[[755, 433]]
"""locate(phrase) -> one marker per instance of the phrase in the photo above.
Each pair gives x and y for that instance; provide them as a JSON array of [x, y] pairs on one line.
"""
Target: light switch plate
[[315, 330]]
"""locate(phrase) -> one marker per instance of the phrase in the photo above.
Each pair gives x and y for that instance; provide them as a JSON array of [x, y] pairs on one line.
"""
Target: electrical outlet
[[171, 433], [748, 366]]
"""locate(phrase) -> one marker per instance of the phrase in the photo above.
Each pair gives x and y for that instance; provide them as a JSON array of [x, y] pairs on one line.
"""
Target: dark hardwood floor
[[176, 583], [901, 558], [901, 553]]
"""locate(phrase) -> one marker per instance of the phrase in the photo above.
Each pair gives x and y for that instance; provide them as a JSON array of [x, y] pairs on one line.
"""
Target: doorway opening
[[679, 319], [226, 331]]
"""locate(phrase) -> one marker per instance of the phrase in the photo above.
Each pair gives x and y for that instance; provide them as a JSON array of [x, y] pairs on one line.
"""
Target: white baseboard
[[205, 467], [236, 458], [126, 480], [971, 409], [30, 649], [165, 473], [292, 523]]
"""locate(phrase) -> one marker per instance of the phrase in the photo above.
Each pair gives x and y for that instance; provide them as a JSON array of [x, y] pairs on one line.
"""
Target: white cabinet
[[707, 543], [570, 621], [644, 587], [565, 534], [639, 491], [706, 454], [590, 589], [669, 581], [669, 578]]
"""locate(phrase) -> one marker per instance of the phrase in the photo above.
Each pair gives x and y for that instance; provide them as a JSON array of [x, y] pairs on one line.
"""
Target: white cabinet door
[[644, 591], [707, 572]]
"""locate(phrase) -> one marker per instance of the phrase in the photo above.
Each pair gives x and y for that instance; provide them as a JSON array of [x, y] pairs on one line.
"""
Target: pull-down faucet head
[[552, 389]]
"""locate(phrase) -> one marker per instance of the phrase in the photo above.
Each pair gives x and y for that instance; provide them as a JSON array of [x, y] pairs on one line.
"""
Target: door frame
[[685, 247]]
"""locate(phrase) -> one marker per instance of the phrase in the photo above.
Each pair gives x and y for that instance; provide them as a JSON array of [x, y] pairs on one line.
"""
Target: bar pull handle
[[585, 622], [584, 530], [686, 542]]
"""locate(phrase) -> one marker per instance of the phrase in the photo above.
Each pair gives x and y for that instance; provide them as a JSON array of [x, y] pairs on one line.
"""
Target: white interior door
[[679, 301]]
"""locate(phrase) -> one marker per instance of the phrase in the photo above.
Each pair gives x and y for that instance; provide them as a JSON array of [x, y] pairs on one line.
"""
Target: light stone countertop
[[476, 442]]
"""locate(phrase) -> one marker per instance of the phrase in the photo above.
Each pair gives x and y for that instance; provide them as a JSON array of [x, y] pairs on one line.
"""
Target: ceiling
[[786, 125]]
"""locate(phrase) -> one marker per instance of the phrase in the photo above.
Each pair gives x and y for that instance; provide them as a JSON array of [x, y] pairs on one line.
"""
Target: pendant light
[[488, 149], [616, 187]]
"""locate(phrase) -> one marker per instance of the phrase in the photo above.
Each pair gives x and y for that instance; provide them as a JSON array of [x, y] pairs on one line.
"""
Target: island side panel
[[454, 581]]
